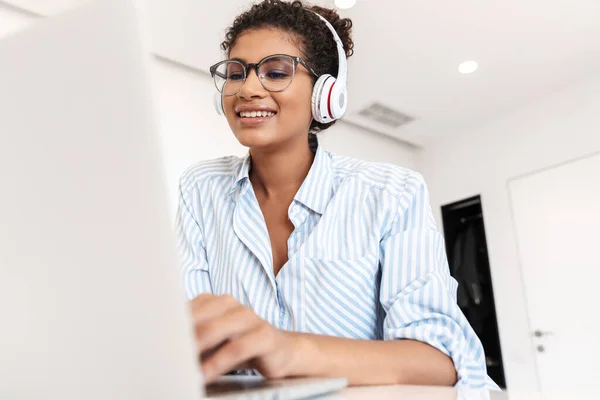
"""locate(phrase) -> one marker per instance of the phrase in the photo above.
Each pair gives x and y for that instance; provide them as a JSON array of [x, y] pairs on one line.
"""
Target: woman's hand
[[231, 336]]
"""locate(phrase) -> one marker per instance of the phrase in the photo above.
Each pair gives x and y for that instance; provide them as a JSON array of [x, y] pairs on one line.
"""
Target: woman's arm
[[417, 292], [190, 245], [371, 362]]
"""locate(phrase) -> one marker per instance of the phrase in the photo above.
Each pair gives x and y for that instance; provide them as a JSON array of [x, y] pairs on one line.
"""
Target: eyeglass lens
[[275, 74]]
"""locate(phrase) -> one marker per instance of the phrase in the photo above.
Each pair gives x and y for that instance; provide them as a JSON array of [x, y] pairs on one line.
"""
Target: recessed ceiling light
[[345, 3], [467, 67]]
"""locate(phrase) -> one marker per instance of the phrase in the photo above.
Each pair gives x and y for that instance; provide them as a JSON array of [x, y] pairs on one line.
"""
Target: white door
[[557, 221]]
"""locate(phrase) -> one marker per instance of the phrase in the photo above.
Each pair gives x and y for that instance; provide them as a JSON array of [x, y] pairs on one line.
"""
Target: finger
[[237, 352], [206, 354], [228, 326], [203, 298], [205, 308]]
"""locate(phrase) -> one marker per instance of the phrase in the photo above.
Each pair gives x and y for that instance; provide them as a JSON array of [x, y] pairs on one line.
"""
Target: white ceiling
[[44, 7], [407, 52]]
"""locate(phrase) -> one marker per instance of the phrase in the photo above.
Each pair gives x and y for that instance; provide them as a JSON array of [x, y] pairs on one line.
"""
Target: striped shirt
[[365, 260]]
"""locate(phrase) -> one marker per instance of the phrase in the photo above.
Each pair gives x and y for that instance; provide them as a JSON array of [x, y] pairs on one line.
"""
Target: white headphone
[[329, 96]]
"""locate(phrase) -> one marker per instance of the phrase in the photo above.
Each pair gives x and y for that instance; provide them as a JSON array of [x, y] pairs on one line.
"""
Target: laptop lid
[[90, 301]]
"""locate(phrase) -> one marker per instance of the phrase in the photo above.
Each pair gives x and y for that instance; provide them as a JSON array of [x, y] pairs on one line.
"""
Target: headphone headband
[[342, 63]]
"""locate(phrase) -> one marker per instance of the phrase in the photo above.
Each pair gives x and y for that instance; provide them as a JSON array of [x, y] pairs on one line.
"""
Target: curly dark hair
[[315, 41]]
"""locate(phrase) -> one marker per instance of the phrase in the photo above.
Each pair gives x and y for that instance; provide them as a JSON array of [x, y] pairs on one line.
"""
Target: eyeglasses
[[275, 73]]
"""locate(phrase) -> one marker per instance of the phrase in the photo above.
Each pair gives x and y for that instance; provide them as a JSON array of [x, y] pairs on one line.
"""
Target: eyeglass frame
[[255, 66]]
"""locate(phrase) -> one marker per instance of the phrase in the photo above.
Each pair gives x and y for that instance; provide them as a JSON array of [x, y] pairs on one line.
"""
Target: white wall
[[346, 139], [193, 131], [561, 127], [190, 128]]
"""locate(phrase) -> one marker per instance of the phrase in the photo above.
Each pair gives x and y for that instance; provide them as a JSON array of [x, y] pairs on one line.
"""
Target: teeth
[[255, 114]]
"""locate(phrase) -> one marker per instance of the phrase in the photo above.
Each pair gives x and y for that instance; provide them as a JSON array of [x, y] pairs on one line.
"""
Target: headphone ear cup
[[218, 103], [338, 101], [320, 99]]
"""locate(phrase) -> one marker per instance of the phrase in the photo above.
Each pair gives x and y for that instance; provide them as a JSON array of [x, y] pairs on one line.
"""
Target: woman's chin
[[256, 138]]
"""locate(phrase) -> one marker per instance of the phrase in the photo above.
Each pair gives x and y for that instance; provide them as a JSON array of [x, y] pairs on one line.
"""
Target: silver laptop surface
[[90, 302]]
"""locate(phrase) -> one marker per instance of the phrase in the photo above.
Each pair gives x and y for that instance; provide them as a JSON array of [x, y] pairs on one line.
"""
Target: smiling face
[[263, 119]]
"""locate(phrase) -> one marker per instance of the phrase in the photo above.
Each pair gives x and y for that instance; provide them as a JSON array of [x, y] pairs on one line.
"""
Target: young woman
[[299, 262]]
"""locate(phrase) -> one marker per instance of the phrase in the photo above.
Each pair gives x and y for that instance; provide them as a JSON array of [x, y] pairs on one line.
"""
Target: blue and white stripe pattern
[[366, 260]]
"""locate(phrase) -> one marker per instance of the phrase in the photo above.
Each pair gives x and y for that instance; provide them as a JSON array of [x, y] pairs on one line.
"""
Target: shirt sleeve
[[418, 294], [190, 244]]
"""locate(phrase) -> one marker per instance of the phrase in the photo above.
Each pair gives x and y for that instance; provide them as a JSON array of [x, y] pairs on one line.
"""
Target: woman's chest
[[329, 282], [344, 231]]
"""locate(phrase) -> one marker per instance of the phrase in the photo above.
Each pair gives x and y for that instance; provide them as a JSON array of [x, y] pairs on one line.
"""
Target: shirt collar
[[242, 174], [316, 190]]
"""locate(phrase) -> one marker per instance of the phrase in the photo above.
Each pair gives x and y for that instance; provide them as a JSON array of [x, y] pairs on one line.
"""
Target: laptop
[[90, 300]]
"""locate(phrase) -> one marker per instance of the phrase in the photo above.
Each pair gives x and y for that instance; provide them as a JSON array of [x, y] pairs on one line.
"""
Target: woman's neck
[[280, 172]]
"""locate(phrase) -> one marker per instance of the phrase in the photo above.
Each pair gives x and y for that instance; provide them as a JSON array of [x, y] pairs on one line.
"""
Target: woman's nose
[[252, 86]]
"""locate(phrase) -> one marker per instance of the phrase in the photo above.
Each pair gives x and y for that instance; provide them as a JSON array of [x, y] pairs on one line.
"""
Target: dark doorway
[[466, 245]]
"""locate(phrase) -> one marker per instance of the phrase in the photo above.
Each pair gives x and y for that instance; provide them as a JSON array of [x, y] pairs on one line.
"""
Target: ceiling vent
[[386, 116]]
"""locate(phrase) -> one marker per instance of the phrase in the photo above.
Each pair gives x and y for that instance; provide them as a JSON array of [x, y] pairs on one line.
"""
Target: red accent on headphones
[[329, 102]]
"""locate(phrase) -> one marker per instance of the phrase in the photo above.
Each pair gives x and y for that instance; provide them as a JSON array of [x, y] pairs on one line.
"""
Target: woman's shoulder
[[217, 168], [397, 180]]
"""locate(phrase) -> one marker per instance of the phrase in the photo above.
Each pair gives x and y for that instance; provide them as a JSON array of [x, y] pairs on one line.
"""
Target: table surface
[[409, 392], [436, 393]]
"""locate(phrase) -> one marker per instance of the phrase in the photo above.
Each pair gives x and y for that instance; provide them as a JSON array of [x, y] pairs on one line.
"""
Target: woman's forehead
[[253, 45]]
